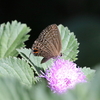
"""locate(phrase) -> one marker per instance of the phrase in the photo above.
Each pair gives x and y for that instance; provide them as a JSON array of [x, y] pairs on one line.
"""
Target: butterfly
[[48, 44]]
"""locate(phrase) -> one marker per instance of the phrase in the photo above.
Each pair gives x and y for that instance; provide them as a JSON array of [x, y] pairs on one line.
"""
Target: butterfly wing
[[48, 44]]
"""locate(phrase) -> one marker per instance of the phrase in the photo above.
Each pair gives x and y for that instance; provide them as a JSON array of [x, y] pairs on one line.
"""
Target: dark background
[[81, 16]]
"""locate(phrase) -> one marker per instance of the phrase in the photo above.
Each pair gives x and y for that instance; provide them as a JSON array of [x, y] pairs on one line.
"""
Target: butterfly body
[[48, 44]]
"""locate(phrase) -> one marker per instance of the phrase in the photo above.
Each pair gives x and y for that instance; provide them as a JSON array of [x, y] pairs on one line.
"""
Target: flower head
[[63, 75]]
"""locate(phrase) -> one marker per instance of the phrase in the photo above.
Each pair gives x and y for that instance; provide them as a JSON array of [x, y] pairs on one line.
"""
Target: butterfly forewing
[[48, 44]]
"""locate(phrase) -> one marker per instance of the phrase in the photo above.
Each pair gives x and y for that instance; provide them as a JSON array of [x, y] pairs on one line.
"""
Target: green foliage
[[16, 68], [12, 36], [33, 60], [89, 73], [69, 43]]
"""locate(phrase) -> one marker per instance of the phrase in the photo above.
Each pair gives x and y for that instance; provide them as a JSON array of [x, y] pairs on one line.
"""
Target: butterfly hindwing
[[48, 44]]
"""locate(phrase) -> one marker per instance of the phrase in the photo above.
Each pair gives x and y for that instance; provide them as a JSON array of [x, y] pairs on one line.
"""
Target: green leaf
[[69, 43], [95, 86], [89, 73], [34, 60], [69, 49], [11, 89], [17, 68], [12, 36]]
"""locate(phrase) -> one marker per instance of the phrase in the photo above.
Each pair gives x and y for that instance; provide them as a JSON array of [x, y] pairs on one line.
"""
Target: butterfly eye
[[35, 50]]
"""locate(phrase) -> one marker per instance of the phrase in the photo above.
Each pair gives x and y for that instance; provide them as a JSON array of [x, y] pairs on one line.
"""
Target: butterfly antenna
[[30, 54]]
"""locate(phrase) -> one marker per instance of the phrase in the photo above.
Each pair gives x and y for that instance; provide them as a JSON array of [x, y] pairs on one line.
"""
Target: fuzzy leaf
[[17, 68], [89, 73], [12, 36], [33, 60], [69, 43], [11, 89]]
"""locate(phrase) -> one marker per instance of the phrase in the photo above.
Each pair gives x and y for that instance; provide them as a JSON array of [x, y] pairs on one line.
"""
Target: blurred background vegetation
[[81, 16]]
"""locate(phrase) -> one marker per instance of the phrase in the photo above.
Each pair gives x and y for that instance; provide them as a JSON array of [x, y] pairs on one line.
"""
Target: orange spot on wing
[[35, 50]]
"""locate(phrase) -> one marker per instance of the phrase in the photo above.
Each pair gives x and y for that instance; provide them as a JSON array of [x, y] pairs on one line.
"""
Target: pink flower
[[63, 75]]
